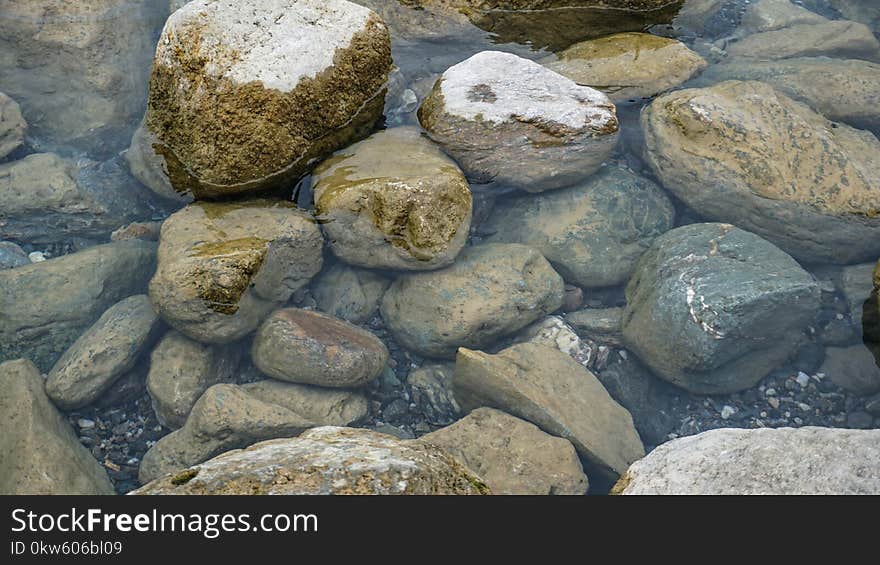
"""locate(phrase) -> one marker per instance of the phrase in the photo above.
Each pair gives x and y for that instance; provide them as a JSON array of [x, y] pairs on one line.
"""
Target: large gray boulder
[[39, 453], [244, 96], [764, 461], [744, 153], [47, 305], [492, 290], [713, 309]]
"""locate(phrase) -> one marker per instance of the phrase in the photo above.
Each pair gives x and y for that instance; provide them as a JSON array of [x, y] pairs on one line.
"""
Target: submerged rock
[[492, 290], [328, 460], [245, 97], [603, 325], [349, 293], [11, 256], [39, 453], [103, 353], [628, 66], [181, 370], [713, 309], [831, 38], [852, 368], [744, 153], [537, 131], [546, 387], [592, 233], [770, 15], [224, 267], [393, 201], [232, 417], [47, 305], [512, 456], [12, 126], [430, 388], [307, 347], [765, 461]]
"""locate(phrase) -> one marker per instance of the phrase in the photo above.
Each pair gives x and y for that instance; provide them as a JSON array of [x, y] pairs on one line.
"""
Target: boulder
[[244, 98], [536, 132], [11, 255], [39, 453], [103, 353], [764, 461], [491, 291], [744, 153], [302, 346], [47, 305], [836, 38], [592, 233], [181, 370], [770, 15], [327, 460], [393, 201], [714, 309], [349, 293], [80, 70], [852, 368], [628, 66], [224, 266], [45, 199], [549, 389], [228, 417], [12, 126], [512, 456]]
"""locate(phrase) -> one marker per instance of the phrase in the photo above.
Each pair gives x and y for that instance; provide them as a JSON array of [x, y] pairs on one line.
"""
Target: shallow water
[[119, 430]]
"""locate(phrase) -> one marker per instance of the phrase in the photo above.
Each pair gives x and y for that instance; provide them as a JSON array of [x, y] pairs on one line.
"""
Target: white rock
[[727, 412], [803, 379], [36, 257]]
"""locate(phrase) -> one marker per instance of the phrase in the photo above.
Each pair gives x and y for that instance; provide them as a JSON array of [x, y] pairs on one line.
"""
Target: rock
[[599, 324], [103, 353], [408, 22], [852, 368], [547, 388], [39, 453], [150, 167], [764, 461], [865, 11], [770, 15], [430, 388], [491, 291], [696, 14], [36, 257], [349, 293], [538, 132], [45, 199], [79, 69], [232, 417], [592, 233], [744, 153], [833, 38], [11, 256], [713, 309], [224, 267], [12, 126], [649, 400], [393, 201], [872, 405], [326, 460], [628, 66], [553, 332], [306, 347], [181, 370], [130, 387], [856, 284], [512, 456], [843, 90], [147, 231], [46, 306], [574, 298], [243, 99]]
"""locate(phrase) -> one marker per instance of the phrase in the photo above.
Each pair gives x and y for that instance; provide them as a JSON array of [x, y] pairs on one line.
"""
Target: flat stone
[[833, 38]]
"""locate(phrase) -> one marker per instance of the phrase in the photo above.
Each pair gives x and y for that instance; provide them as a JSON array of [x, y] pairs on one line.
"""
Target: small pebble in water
[[85, 424], [727, 411], [803, 379], [770, 392], [37, 257]]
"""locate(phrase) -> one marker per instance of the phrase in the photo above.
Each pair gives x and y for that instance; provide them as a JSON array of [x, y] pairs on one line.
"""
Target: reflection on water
[[77, 190]]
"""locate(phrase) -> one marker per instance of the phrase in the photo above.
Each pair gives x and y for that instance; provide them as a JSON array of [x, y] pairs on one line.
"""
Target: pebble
[[37, 257], [770, 392], [773, 402], [805, 407], [727, 411], [85, 424], [803, 379]]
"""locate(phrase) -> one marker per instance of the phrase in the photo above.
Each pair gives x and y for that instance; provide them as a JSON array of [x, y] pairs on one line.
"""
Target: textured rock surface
[[852, 368], [232, 417], [600, 324], [39, 453], [553, 332], [308, 347], [244, 98], [510, 121], [783, 462], [549, 389], [327, 460], [512, 456], [833, 38], [12, 255], [492, 290], [713, 309], [628, 66], [592, 233], [103, 353], [12, 126], [181, 370], [744, 153], [224, 267], [46, 306], [430, 388], [770, 15], [349, 293]]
